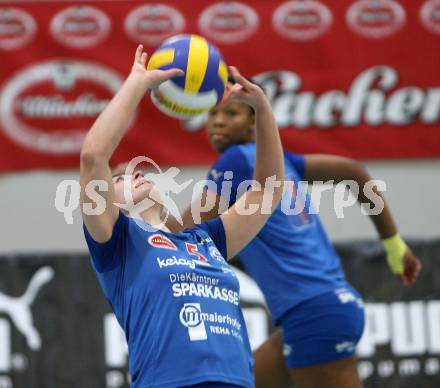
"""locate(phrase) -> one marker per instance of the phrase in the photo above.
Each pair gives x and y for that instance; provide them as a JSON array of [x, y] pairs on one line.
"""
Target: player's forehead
[[230, 105]]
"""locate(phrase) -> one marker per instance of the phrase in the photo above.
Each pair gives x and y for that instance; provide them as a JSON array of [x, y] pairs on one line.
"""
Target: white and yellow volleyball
[[203, 84]]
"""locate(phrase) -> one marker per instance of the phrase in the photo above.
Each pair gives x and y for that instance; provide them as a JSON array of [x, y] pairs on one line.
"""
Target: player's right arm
[[105, 135]]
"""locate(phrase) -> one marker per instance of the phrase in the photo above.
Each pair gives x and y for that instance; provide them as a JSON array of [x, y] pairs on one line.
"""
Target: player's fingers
[[412, 277], [236, 91], [233, 72], [144, 58], [236, 75], [414, 270], [171, 73], [404, 279], [226, 96], [411, 273], [233, 91], [239, 78], [138, 55], [408, 272]]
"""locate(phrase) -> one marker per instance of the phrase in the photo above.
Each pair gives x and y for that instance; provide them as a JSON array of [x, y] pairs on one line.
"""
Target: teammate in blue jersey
[[293, 261], [174, 295]]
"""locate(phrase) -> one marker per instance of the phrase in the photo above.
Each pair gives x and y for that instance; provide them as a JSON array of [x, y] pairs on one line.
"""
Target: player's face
[[140, 187], [230, 123]]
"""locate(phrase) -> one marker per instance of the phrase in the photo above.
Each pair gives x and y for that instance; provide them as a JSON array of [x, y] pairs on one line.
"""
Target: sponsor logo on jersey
[[193, 251], [173, 260], [215, 253], [224, 294], [160, 241], [191, 317]]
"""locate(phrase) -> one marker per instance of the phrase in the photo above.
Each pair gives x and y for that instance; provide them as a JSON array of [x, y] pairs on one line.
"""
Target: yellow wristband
[[395, 248]]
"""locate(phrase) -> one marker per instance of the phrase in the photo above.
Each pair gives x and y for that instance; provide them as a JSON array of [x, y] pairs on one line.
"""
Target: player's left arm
[[400, 258], [243, 218], [241, 225]]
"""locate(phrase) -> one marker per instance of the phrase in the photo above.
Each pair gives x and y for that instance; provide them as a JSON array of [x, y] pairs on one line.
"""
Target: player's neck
[[153, 217]]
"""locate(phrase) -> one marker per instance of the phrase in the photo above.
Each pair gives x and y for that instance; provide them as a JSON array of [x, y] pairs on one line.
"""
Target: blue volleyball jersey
[[291, 258], [177, 300]]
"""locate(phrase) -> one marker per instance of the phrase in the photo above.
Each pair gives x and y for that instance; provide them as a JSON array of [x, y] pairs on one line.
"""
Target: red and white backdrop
[[358, 78]]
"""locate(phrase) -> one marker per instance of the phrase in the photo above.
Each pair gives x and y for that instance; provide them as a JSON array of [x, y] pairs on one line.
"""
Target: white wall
[[29, 221]]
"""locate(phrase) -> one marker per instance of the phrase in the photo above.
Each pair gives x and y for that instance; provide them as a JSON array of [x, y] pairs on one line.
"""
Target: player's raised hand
[[411, 268], [152, 78], [244, 90]]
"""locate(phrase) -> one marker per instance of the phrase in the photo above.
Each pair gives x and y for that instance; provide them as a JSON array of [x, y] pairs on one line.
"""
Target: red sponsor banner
[[357, 78]]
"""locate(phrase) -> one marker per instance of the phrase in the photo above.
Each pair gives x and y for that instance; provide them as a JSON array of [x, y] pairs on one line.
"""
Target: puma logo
[[19, 308]]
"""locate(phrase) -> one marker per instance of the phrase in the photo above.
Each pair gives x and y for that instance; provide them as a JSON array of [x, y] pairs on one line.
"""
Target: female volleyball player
[[174, 294], [294, 263]]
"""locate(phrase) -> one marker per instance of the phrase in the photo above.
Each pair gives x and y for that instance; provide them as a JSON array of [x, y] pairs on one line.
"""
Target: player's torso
[[181, 307], [291, 258]]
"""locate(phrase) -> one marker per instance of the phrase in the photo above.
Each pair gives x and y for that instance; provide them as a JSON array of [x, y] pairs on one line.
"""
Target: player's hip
[[324, 328]]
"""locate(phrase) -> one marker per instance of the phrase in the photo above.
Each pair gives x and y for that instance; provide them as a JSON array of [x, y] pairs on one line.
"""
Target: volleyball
[[203, 84]]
